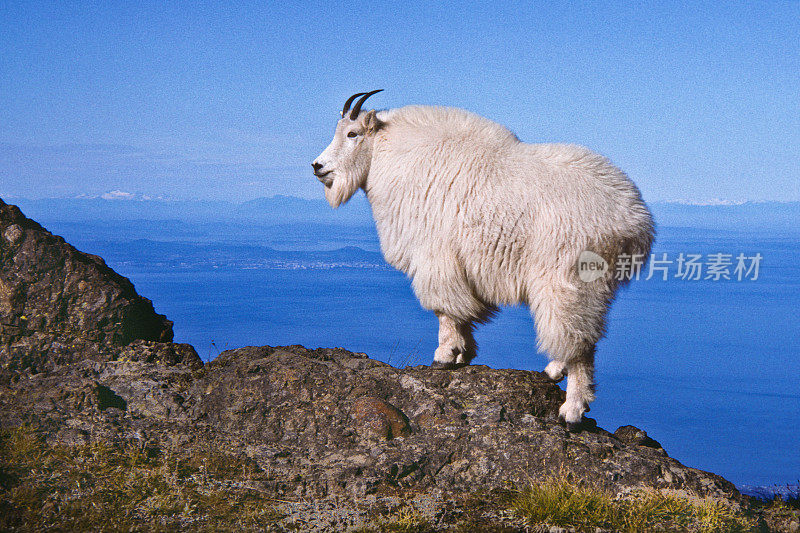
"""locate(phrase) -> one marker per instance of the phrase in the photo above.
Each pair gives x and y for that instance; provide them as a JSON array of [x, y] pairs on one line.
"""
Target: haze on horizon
[[233, 101]]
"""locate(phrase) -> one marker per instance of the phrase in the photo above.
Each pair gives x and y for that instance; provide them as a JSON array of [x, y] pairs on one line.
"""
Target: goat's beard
[[340, 191]]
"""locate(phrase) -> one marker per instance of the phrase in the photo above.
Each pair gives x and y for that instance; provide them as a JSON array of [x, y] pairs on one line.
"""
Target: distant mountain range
[[274, 210], [755, 216], [288, 210]]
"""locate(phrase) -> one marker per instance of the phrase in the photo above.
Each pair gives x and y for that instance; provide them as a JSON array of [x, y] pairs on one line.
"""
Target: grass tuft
[[403, 520], [560, 502], [407, 520]]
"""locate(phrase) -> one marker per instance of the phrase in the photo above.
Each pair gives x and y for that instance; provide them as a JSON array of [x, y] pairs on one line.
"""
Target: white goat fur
[[478, 219]]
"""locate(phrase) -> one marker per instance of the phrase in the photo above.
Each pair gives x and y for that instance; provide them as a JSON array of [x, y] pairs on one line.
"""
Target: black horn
[[349, 101], [357, 109]]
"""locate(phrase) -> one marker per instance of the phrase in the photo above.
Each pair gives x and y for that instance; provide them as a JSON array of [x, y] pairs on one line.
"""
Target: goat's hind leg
[[569, 321], [456, 343], [580, 388]]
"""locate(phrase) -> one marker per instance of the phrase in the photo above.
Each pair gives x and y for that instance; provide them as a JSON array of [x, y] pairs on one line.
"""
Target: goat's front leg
[[456, 343]]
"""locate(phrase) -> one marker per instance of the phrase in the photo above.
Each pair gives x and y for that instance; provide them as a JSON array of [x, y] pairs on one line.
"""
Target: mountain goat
[[478, 219]]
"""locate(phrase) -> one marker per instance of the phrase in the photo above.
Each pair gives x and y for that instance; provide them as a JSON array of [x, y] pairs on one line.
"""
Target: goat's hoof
[[555, 377], [555, 371], [585, 424], [575, 427]]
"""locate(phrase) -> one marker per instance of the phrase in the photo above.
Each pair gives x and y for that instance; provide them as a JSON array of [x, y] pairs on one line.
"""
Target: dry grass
[[100, 487], [563, 503], [403, 520]]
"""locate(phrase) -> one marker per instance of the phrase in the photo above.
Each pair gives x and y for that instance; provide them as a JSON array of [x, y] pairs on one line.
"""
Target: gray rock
[[56, 301], [327, 422], [455, 431], [376, 418], [636, 436]]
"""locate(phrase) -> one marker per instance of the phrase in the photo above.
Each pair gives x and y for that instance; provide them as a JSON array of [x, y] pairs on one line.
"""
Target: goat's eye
[[352, 134]]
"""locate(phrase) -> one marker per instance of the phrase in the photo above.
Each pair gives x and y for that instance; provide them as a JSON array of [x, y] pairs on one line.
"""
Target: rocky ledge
[[85, 359]]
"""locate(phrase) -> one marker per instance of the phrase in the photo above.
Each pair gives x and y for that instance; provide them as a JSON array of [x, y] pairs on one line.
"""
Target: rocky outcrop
[[330, 426], [84, 359], [56, 302], [341, 422]]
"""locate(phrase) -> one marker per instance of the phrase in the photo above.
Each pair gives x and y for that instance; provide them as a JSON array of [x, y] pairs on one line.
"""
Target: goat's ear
[[371, 122]]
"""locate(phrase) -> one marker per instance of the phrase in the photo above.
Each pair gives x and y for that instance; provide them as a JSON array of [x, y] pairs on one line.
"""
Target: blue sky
[[229, 100]]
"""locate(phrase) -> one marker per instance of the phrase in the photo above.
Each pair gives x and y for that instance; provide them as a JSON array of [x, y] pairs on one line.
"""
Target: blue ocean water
[[711, 369]]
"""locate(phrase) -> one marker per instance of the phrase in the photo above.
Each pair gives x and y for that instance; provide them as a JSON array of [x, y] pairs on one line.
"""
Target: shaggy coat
[[479, 219]]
